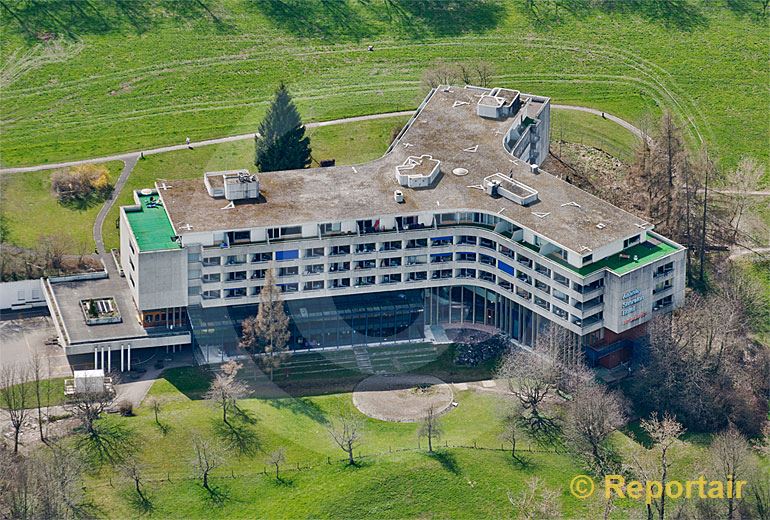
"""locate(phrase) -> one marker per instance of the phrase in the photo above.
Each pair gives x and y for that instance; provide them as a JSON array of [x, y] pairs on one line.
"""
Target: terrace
[[150, 224]]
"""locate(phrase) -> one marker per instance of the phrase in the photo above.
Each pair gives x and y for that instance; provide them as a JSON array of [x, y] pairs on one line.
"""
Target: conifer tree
[[282, 143]]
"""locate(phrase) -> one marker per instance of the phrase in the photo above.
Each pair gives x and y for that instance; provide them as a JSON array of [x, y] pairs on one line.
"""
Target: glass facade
[[476, 305]]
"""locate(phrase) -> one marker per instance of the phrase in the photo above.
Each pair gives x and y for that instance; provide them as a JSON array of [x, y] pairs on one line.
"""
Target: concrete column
[[109, 359], [121, 358], [129, 357], [102, 349], [96, 358]]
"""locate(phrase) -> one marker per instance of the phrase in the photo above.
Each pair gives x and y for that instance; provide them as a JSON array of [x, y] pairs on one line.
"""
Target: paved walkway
[[622, 122], [745, 252], [132, 155], [128, 167]]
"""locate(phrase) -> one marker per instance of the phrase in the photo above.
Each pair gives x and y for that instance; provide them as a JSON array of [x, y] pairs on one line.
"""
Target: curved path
[[128, 155], [622, 122], [128, 166]]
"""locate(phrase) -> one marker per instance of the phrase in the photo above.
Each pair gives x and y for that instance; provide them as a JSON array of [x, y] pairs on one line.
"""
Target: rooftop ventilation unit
[[499, 185], [232, 185], [498, 103], [398, 196]]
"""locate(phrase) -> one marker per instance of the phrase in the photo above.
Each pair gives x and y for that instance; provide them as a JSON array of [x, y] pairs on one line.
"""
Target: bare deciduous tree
[[510, 419], [536, 502], [276, 459], [207, 458], [430, 428], [88, 407], [225, 390], [592, 414], [745, 179], [16, 396], [347, 432], [654, 464], [731, 459], [440, 73], [135, 471], [533, 377], [484, 73]]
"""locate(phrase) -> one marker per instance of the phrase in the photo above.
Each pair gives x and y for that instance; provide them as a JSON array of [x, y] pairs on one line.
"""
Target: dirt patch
[[402, 398], [590, 169]]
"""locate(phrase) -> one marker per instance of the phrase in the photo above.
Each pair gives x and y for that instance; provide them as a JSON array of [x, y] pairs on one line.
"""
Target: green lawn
[[123, 77], [349, 143], [32, 211], [51, 392], [396, 478], [458, 483], [591, 130]]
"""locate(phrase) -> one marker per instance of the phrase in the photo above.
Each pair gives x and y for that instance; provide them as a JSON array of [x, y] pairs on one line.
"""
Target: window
[[313, 286], [440, 241], [314, 252], [330, 228], [261, 257], [588, 259], [211, 260], [561, 279], [288, 271], [365, 248], [210, 278], [506, 268], [560, 296], [210, 295], [292, 254], [487, 260], [631, 241]]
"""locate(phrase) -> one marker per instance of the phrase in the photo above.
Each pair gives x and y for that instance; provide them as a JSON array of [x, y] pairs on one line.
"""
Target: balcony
[[365, 248]]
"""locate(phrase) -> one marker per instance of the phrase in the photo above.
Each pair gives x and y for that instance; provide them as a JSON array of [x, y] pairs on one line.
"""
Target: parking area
[[22, 336]]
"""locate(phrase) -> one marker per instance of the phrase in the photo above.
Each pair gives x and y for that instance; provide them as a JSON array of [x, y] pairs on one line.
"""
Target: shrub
[[126, 408], [81, 184]]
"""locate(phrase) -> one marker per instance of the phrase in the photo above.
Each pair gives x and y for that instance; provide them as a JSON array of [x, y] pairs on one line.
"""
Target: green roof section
[[151, 225], [627, 260]]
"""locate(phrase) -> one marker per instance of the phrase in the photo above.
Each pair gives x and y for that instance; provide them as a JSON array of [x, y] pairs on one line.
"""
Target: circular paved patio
[[403, 397]]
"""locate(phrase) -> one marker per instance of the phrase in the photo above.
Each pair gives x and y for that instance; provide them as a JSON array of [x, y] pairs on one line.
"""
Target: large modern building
[[456, 224]]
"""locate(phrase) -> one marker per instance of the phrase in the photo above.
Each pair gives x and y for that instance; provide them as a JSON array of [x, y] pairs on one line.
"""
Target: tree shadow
[[323, 19], [216, 495], [239, 437], [684, 15], [109, 443], [36, 20], [446, 17], [750, 9], [301, 406], [84, 203], [142, 506], [447, 460]]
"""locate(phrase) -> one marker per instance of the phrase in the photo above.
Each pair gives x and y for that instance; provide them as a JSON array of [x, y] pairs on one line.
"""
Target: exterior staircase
[[363, 360]]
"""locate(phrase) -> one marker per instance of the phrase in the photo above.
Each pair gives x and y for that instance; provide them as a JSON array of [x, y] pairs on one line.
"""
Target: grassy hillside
[[130, 75]]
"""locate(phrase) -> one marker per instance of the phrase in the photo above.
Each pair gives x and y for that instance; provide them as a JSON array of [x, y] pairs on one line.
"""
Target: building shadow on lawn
[[193, 382]]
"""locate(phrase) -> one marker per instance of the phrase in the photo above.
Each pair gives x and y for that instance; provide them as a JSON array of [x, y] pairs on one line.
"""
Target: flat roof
[[68, 296], [627, 260], [448, 129], [151, 226]]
